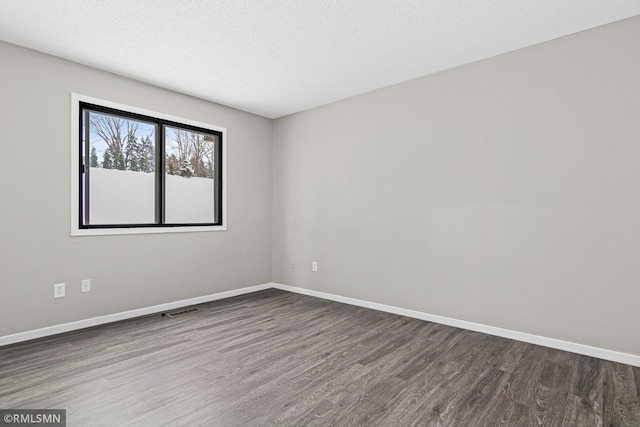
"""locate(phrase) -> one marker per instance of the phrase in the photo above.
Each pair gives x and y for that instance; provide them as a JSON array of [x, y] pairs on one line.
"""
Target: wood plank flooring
[[278, 358]]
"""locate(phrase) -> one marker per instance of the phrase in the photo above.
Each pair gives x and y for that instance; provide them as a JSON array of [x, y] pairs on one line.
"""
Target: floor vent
[[180, 313]]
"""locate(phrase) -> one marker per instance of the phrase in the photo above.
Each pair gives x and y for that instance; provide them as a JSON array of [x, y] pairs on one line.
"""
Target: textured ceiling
[[277, 57]]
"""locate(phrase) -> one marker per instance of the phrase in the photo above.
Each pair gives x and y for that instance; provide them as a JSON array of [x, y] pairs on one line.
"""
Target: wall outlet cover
[[58, 290]]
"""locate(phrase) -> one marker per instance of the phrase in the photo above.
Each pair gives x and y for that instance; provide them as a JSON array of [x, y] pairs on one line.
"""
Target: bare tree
[[115, 132], [181, 145], [194, 149], [202, 155]]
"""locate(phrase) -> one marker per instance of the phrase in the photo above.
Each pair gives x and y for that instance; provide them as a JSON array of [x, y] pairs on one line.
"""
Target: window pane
[[120, 153], [189, 176]]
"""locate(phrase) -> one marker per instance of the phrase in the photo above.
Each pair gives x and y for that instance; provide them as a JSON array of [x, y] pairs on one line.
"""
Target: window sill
[[75, 232]]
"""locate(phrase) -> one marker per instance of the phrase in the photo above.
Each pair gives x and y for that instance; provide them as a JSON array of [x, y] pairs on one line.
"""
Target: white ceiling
[[277, 57]]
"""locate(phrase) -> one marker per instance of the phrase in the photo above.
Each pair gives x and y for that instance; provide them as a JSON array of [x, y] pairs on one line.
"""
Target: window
[[139, 171]]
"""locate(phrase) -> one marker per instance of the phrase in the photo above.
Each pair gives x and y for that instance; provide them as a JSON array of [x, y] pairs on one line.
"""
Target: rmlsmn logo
[[33, 417]]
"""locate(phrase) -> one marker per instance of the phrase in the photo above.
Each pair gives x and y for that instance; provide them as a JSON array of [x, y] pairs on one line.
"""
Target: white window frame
[[75, 176]]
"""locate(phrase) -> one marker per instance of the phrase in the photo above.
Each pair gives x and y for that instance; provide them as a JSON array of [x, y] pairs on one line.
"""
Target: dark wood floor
[[277, 358]]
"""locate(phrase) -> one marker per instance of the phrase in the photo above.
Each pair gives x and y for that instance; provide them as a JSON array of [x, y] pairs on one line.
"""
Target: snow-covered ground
[[126, 197]]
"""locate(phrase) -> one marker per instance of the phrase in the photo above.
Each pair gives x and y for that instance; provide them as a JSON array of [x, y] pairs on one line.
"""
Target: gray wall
[[504, 192], [127, 271]]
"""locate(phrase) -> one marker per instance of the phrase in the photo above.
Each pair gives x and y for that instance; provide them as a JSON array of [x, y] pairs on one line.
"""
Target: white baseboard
[[600, 353], [100, 320]]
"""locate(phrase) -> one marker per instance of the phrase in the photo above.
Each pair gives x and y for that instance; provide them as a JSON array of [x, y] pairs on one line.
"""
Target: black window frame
[[160, 175]]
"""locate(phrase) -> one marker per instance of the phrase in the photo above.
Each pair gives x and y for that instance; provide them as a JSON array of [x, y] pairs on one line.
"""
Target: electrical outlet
[[292, 265], [58, 290], [86, 285], [314, 266]]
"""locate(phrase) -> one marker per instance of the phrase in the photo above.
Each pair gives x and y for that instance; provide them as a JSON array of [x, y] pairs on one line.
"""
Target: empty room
[[331, 213]]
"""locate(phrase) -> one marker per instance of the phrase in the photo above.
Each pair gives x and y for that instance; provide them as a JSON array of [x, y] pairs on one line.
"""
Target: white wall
[[127, 271], [504, 192]]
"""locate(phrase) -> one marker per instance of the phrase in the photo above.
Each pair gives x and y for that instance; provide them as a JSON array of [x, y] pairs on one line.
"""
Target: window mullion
[[160, 174]]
